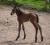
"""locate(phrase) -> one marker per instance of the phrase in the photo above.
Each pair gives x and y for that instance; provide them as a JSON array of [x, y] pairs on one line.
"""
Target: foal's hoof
[[16, 39], [35, 41], [24, 37], [42, 39]]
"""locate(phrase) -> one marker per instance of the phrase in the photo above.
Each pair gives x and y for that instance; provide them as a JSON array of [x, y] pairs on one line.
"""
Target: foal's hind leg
[[36, 27], [19, 28], [40, 32], [24, 31]]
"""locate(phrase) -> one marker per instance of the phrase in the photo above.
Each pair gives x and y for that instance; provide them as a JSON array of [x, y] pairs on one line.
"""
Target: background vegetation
[[33, 4]]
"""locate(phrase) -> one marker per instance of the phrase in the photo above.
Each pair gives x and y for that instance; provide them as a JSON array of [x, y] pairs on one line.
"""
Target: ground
[[9, 31]]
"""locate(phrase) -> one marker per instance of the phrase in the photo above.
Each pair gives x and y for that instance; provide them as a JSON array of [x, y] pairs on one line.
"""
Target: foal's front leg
[[19, 28], [24, 31]]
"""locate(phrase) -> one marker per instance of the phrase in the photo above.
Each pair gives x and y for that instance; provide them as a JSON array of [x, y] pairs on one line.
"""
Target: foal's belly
[[23, 18]]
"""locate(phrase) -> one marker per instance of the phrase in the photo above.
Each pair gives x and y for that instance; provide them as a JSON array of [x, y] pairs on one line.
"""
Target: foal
[[22, 17]]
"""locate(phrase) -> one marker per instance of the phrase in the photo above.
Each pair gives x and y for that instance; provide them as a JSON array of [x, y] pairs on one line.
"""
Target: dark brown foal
[[22, 17]]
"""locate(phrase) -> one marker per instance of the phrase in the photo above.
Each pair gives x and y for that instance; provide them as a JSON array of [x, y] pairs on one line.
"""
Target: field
[[9, 31]]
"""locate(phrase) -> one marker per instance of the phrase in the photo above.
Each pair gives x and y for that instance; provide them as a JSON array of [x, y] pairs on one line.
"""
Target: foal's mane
[[18, 11]]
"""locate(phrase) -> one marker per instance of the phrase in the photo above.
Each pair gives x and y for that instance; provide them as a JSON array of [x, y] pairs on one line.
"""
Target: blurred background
[[42, 5]]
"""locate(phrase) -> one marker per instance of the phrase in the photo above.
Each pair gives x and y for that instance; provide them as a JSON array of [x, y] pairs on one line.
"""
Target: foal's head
[[15, 10]]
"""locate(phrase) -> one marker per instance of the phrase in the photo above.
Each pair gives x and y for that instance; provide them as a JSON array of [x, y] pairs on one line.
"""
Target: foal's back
[[27, 17]]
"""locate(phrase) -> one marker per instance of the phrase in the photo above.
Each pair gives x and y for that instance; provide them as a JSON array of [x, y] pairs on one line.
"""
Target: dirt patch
[[9, 31]]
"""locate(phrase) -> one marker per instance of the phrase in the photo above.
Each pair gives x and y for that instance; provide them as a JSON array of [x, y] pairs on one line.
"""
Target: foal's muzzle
[[11, 14]]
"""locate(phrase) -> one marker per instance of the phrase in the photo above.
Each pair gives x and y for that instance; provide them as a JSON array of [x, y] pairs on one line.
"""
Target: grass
[[30, 3], [35, 4]]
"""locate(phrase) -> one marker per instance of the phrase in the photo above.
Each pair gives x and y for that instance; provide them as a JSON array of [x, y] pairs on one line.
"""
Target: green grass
[[38, 4], [34, 4]]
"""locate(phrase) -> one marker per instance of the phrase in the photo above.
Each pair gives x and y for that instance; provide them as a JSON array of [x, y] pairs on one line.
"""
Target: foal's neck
[[19, 12]]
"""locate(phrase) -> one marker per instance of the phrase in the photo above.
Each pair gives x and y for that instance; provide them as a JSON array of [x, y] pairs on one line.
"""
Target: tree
[[46, 3], [1, 0]]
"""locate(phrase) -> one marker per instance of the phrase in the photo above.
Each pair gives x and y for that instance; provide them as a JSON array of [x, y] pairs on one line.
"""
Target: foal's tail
[[37, 18]]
